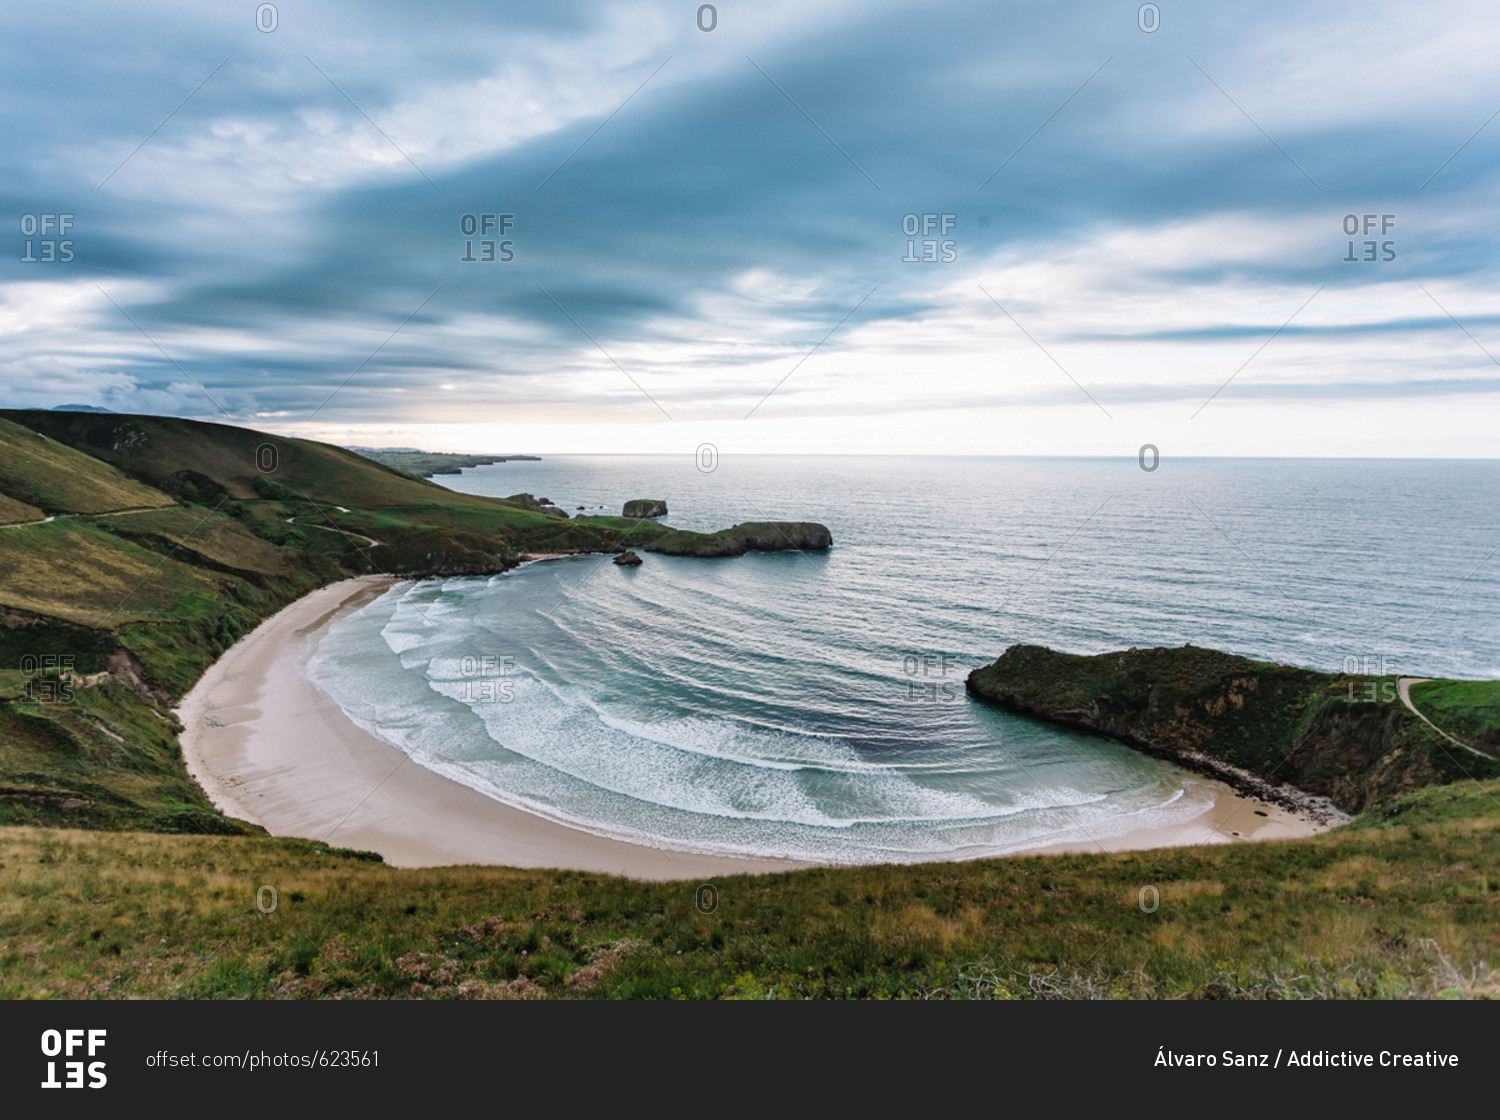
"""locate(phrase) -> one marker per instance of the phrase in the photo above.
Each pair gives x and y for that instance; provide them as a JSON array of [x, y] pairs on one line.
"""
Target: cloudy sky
[[712, 231]]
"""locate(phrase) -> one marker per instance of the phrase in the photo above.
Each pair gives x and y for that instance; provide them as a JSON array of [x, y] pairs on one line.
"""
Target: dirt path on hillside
[[1403, 687]]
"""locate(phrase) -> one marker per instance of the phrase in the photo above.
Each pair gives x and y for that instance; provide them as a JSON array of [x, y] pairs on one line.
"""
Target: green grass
[[307, 480], [1468, 710], [1403, 903], [43, 474], [206, 539], [134, 606], [13, 512], [203, 463], [74, 571], [155, 449], [104, 760]]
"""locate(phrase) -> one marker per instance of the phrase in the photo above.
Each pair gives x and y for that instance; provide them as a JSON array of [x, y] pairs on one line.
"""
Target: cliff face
[[752, 536], [1202, 708]]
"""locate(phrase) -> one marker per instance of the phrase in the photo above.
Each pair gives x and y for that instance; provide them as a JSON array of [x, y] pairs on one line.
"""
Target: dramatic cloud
[[1141, 223]]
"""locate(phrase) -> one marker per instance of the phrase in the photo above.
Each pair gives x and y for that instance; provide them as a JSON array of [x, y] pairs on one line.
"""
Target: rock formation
[[1219, 713], [752, 536], [645, 507]]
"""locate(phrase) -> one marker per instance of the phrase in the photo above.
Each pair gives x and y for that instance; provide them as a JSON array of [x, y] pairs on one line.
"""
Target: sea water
[[811, 705]]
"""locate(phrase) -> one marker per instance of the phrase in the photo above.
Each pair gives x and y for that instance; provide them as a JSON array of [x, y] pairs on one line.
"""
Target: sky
[[737, 236]]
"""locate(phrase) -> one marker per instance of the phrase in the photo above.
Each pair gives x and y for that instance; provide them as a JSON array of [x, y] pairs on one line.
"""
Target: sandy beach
[[1233, 818], [269, 747]]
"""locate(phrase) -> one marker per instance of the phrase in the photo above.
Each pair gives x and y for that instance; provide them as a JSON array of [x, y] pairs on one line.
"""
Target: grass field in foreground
[[1404, 902]]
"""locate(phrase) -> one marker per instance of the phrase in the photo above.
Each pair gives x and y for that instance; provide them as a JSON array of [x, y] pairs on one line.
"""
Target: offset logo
[[49, 678], [1352, 227], [491, 248], [933, 685], [52, 227], [944, 250], [66, 1044]]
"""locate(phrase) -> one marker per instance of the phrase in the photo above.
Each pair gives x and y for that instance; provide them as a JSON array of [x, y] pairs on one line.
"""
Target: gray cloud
[[269, 239]]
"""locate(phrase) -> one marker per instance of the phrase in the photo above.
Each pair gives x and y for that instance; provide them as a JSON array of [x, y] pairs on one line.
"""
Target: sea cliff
[[1252, 723]]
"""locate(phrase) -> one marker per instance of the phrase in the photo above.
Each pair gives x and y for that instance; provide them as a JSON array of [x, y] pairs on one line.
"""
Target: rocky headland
[[751, 536], [425, 464], [1257, 725]]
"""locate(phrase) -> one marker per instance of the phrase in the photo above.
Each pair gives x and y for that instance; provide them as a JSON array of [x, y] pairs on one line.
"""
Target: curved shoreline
[[269, 747]]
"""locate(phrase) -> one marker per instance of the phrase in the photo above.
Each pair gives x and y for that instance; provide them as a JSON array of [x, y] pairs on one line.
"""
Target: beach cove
[[268, 746]]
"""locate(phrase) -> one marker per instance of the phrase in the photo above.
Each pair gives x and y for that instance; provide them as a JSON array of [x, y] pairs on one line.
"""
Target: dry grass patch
[[1358, 871]]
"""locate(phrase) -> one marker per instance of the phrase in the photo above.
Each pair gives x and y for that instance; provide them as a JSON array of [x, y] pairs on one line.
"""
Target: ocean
[[811, 706]]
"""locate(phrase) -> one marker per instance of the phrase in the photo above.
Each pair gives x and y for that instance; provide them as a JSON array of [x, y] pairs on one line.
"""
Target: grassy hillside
[[165, 550], [161, 450], [13, 512], [264, 480], [45, 475], [1400, 903], [105, 760], [160, 565], [1467, 710], [103, 622]]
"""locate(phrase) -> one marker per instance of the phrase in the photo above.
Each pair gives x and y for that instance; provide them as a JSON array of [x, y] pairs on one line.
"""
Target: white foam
[[645, 773]]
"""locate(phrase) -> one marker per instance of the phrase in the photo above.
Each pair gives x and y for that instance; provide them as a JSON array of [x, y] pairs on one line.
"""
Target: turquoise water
[[812, 706]]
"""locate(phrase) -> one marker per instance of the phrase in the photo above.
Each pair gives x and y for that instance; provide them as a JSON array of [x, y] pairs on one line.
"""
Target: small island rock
[[627, 559], [645, 507]]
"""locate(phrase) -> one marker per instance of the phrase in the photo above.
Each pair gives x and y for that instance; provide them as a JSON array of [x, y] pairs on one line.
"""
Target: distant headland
[[425, 464]]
